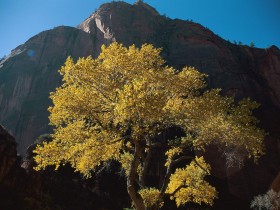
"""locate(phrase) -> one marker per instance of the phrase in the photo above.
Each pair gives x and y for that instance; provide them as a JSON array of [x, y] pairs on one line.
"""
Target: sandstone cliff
[[28, 76]]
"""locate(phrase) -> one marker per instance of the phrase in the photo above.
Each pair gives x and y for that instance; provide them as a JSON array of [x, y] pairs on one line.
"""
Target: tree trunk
[[137, 200]]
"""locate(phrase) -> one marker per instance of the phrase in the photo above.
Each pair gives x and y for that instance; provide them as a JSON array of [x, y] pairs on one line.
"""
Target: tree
[[118, 106]]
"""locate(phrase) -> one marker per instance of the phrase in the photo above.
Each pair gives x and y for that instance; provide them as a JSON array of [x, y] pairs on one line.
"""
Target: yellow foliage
[[109, 106], [188, 184], [82, 146], [125, 160], [171, 153], [150, 197]]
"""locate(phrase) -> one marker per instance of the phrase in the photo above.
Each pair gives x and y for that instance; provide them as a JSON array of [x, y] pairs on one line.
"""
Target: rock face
[[30, 73], [26, 189], [28, 76], [8, 154]]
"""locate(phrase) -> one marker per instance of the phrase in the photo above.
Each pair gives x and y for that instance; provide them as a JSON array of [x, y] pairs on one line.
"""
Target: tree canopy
[[117, 106]]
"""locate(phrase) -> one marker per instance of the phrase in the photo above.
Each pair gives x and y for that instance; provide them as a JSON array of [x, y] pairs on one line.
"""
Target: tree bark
[[131, 180]]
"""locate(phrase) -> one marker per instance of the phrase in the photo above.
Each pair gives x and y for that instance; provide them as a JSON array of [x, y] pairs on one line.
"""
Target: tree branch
[[165, 181], [200, 166], [114, 141], [98, 90], [179, 188], [169, 171], [181, 158], [157, 145], [142, 176]]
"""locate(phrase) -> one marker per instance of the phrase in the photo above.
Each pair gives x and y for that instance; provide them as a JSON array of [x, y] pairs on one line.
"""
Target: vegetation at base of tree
[[268, 201], [120, 107]]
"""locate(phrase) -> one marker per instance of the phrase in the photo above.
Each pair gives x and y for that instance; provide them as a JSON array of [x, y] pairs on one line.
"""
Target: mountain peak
[[120, 5], [142, 5], [109, 13]]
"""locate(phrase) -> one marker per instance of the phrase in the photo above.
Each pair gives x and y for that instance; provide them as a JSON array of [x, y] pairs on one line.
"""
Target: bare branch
[[181, 158], [165, 180]]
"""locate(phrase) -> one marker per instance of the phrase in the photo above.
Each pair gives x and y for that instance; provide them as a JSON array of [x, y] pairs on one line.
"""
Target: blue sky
[[247, 21]]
